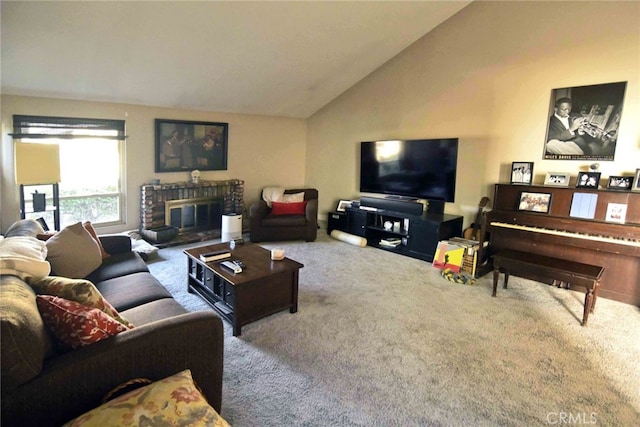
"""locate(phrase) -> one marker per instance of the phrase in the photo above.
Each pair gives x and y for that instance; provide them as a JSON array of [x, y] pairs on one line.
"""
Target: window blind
[[40, 127]]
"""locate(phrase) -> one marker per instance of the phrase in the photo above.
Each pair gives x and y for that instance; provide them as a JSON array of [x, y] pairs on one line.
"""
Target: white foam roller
[[349, 238]]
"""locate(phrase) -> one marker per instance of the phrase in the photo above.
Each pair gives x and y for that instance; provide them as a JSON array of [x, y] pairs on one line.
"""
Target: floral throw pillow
[[76, 325], [173, 401], [78, 290]]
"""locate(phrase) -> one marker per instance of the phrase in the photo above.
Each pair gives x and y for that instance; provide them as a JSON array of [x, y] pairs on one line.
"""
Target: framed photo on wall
[[557, 179], [620, 183], [188, 145], [583, 122], [534, 202], [521, 173]]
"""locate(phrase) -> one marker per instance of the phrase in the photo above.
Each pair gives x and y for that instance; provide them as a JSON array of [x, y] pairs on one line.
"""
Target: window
[[91, 164]]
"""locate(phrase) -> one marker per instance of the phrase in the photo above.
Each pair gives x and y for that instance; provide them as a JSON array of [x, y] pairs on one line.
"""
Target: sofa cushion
[[284, 221], [115, 243], [78, 290], [73, 252], [23, 256], [154, 310], [293, 208], [132, 290], [24, 337], [175, 400], [118, 265], [76, 325]]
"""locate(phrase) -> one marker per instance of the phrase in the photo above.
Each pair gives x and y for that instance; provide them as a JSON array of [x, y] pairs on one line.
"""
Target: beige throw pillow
[[73, 252]]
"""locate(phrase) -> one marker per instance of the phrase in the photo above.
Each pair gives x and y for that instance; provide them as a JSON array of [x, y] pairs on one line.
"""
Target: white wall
[[262, 150], [486, 77]]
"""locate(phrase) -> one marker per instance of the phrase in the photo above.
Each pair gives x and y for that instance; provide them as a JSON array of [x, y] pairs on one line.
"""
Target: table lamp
[[37, 164]]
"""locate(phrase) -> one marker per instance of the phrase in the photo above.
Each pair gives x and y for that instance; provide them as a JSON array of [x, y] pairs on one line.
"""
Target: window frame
[[57, 129]]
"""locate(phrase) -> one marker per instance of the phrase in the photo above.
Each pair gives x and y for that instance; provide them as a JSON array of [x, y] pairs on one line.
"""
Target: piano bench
[[536, 266]]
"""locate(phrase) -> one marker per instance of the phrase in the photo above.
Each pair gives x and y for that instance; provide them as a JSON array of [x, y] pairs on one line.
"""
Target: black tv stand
[[404, 204], [435, 206], [418, 234]]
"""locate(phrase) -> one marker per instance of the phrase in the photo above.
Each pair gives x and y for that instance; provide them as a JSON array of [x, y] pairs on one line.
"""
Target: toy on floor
[[452, 276]]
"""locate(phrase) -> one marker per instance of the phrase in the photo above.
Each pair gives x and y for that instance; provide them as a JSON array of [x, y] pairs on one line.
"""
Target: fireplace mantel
[[154, 196]]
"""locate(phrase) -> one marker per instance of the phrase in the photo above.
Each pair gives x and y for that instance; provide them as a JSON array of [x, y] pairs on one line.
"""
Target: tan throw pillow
[[89, 227], [73, 253], [78, 290], [170, 402]]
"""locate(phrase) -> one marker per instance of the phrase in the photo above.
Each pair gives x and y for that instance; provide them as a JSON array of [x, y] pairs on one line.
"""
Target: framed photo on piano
[[534, 202], [620, 183], [521, 173], [636, 183], [557, 179], [588, 180]]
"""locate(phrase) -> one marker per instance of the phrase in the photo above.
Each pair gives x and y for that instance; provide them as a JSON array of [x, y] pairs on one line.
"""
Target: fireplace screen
[[194, 214]]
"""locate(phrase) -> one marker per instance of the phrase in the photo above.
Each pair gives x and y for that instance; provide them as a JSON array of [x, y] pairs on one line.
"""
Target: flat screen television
[[416, 168]]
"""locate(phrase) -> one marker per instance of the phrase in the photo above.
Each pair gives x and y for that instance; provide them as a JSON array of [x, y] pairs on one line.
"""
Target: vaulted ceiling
[[275, 58]]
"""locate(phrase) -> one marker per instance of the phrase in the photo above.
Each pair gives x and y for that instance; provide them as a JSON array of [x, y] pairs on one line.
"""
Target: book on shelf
[[223, 307], [390, 242], [215, 255]]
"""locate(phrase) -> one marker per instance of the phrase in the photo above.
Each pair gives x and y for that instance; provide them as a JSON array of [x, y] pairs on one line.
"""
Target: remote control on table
[[235, 268]]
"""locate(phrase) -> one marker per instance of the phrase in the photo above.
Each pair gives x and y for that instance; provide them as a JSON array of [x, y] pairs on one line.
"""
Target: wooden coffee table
[[264, 286]]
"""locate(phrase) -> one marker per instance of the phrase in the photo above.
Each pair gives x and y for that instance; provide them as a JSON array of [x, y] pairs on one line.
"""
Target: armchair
[[267, 227]]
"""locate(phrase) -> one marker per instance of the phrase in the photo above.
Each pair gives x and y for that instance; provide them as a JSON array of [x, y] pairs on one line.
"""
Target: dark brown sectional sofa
[[42, 386]]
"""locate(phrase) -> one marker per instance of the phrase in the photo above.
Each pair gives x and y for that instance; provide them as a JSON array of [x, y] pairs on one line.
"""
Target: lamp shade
[[37, 163]]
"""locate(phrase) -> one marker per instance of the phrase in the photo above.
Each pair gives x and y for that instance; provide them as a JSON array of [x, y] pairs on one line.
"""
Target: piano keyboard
[[592, 237]]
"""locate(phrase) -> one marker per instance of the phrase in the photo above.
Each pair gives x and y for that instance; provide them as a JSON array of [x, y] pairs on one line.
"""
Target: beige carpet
[[383, 340]]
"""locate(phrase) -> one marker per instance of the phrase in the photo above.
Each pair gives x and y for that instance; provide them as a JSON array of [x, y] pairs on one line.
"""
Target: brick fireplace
[[189, 206]]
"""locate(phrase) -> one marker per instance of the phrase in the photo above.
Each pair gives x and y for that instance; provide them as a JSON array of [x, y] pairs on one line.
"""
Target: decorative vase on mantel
[[195, 176]]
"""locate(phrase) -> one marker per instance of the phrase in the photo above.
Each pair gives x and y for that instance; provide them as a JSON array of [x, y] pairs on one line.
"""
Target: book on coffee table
[[215, 256]]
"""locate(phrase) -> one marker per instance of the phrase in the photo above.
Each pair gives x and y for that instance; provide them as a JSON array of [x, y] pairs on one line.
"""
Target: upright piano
[[599, 227]]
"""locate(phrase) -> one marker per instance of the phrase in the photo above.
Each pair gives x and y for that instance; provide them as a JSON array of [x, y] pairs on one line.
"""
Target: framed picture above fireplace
[[188, 145]]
